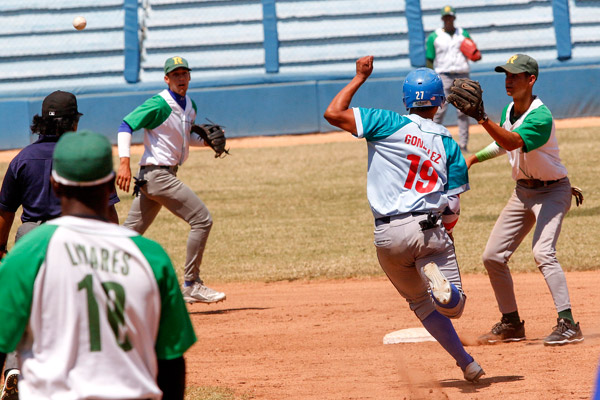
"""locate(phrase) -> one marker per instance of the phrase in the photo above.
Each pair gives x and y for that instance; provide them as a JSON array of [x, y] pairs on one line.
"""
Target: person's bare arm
[[337, 113], [508, 140], [171, 378], [124, 174]]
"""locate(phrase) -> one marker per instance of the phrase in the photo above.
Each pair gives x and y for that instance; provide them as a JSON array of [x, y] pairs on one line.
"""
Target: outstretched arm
[[509, 140], [338, 114]]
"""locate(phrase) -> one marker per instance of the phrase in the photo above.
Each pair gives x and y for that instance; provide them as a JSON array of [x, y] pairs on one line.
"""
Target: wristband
[[124, 144]]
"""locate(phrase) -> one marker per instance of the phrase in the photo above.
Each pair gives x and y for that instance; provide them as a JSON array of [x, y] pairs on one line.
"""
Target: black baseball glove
[[578, 194], [213, 135], [466, 95]]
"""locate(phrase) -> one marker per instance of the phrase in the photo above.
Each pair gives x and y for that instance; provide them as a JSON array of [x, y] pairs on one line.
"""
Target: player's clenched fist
[[364, 66]]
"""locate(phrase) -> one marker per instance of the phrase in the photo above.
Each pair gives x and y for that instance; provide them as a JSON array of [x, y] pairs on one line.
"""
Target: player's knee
[[492, 260], [544, 258], [201, 222], [456, 311]]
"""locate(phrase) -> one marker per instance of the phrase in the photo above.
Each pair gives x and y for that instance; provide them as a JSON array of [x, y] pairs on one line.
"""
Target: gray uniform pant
[[164, 189], [403, 249], [463, 119], [544, 207], [11, 358]]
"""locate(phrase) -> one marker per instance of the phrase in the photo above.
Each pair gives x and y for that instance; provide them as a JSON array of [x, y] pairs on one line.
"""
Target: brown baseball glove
[[466, 95], [214, 136]]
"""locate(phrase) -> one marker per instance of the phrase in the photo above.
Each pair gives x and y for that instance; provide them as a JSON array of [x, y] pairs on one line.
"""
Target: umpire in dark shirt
[[27, 180], [27, 183]]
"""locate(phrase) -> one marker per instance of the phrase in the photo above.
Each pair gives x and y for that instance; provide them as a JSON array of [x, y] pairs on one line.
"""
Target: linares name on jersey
[[98, 258]]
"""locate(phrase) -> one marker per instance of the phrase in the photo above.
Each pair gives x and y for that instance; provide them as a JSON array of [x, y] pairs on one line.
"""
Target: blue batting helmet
[[423, 88]]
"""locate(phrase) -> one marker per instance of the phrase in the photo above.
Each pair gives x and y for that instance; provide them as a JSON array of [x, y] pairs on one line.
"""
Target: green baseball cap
[[82, 159], [519, 63], [176, 62], [448, 10]]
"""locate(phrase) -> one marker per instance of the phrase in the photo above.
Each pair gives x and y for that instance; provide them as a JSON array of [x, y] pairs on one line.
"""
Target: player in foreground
[[27, 184], [94, 309], [541, 198], [168, 121], [415, 174]]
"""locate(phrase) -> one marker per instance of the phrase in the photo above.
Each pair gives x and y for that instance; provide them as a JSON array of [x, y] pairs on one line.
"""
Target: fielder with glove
[[169, 131], [540, 200]]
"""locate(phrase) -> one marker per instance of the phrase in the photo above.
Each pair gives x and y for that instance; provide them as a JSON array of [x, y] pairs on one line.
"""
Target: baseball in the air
[[79, 23]]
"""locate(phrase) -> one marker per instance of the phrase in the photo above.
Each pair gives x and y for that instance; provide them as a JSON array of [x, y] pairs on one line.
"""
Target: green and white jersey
[[166, 129], [444, 50], [90, 306], [539, 157]]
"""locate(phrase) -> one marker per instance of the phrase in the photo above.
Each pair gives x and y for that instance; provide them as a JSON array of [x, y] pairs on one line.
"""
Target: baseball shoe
[[439, 285], [473, 372], [565, 332], [198, 293], [10, 391], [504, 331]]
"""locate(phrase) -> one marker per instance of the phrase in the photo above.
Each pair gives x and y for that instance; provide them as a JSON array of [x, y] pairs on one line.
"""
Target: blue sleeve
[[124, 127], [379, 124], [10, 194], [114, 198], [456, 167]]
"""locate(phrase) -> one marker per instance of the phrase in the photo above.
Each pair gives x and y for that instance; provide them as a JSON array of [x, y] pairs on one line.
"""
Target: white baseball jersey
[[539, 157], [413, 164], [166, 129], [90, 307], [444, 50]]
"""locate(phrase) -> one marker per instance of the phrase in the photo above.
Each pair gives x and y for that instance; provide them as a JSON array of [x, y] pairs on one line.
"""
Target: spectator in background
[[444, 55]]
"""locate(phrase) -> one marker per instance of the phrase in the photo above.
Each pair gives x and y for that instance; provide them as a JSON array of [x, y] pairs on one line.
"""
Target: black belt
[[387, 219], [535, 183], [156, 166]]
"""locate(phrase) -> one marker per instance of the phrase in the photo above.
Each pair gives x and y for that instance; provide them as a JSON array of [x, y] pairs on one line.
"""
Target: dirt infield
[[324, 340]]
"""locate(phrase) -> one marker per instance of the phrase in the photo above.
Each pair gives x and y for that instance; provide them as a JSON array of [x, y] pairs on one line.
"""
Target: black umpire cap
[[60, 104]]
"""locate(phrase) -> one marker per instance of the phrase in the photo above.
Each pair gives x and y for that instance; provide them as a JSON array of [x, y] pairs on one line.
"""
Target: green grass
[[301, 212]]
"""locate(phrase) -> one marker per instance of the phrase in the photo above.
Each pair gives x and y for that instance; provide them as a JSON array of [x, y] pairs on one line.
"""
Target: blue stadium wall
[[292, 87]]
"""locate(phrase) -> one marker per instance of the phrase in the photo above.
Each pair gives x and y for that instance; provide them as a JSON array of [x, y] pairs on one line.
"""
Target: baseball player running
[[541, 198], [93, 308], [415, 173], [27, 184], [167, 119]]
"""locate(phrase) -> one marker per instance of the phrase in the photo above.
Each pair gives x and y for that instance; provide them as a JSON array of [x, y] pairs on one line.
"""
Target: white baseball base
[[409, 335]]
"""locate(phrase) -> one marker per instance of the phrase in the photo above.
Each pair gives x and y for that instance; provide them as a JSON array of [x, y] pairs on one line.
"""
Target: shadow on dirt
[[227, 310], [469, 387]]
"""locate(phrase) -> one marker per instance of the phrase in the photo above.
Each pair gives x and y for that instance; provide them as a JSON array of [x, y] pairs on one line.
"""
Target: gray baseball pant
[[545, 208], [463, 119], [403, 249], [164, 189]]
